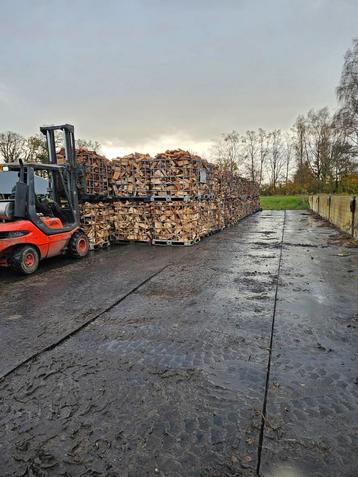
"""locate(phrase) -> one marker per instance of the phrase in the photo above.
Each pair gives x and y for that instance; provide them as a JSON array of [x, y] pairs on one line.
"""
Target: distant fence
[[340, 210]]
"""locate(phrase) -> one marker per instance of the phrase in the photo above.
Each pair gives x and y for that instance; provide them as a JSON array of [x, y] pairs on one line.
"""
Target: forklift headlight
[[14, 234]]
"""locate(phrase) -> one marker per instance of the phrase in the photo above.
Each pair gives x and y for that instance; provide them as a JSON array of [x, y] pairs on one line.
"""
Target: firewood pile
[[232, 211], [131, 175], [236, 209], [176, 174], [176, 221], [229, 185], [131, 221], [173, 174], [211, 217], [96, 221], [248, 189], [97, 173], [187, 198]]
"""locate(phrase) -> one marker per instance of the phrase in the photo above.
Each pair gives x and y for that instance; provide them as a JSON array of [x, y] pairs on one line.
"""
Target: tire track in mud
[[82, 326], [264, 406]]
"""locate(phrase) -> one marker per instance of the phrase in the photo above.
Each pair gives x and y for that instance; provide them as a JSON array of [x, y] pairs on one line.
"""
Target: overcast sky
[[150, 74]]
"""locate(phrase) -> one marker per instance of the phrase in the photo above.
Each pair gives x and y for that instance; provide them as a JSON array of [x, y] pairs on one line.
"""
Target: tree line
[[33, 149], [317, 154]]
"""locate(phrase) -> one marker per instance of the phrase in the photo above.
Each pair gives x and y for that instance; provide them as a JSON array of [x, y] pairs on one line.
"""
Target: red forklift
[[34, 226]]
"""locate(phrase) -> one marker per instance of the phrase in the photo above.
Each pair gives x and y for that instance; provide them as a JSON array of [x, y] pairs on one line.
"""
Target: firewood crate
[[97, 173], [96, 221], [173, 199], [179, 174], [131, 175], [132, 222], [176, 221]]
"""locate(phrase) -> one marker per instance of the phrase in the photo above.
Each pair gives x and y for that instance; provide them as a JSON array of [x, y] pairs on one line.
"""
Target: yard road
[[235, 357]]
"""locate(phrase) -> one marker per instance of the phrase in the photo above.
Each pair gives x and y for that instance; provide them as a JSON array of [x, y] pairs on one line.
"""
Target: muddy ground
[[235, 357]]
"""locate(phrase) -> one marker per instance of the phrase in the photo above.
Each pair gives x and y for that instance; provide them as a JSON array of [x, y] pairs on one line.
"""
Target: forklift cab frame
[[60, 191], [29, 234]]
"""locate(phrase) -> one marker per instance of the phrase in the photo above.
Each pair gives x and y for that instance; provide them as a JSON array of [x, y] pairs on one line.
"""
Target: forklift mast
[[70, 165], [68, 141]]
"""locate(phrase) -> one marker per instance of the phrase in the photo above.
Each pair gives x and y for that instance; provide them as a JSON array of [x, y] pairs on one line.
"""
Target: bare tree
[[276, 159], [11, 146], [288, 147], [250, 152], [263, 146], [227, 151]]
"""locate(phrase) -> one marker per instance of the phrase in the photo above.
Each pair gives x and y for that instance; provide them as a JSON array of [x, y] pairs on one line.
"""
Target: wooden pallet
[[126, 242], [175, 243]]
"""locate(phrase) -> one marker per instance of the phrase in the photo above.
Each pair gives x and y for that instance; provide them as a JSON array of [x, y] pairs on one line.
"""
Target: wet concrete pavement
[[154, 361], [312, 401]]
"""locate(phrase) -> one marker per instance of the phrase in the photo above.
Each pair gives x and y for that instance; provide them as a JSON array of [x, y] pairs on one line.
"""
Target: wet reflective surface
[[171, 379]]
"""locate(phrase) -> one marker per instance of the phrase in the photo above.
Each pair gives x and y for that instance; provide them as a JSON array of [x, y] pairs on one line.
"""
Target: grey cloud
[[141, 69]]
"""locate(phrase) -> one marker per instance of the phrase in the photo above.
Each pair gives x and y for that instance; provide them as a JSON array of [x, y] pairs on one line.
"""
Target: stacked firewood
[[216, 217], [189, 221], [225, 184], [211, 217], [236, 209], [96, 221], [214, 180], [131, 175], [173, 174], [232, 211], [249, 188], [96, 177], [176, 221], [178, 173], [190, 198], [97, 172], [131, 221], [173, 221]]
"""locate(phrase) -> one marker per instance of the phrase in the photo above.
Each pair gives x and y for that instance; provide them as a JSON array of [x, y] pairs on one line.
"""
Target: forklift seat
[[52, 222]]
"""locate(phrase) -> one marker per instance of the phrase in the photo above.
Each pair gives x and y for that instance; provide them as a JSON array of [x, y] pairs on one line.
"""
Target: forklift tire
[[78, 246], [25, 260]]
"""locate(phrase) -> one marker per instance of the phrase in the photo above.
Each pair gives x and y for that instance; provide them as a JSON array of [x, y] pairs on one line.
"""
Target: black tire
[[25, 260], [78, 246]]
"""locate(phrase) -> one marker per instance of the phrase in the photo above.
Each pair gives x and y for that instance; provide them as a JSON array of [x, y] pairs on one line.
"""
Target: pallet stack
[[175, 198]]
